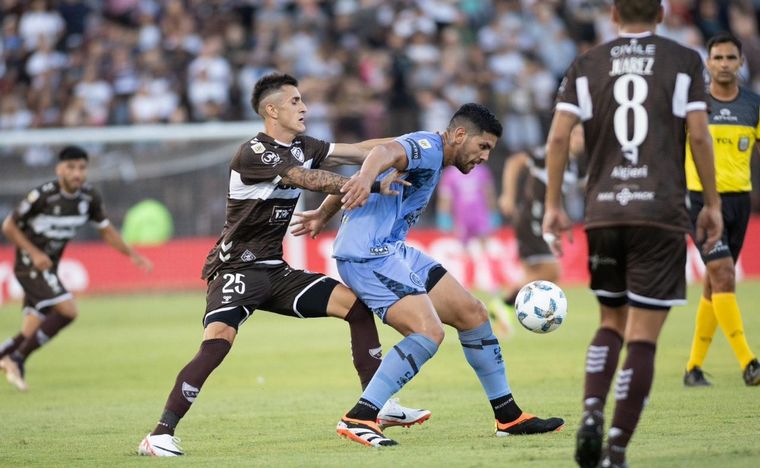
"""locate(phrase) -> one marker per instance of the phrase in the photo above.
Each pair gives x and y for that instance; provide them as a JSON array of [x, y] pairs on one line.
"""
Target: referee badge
[[743, 143]]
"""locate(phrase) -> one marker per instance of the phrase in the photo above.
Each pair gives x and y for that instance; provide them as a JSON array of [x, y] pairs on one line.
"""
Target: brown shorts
[[642, 266], [42, 290], [531, 246], [233, 295]]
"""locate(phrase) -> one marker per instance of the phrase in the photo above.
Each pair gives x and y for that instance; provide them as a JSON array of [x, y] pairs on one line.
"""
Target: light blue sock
[[399, 366], [482, 350]]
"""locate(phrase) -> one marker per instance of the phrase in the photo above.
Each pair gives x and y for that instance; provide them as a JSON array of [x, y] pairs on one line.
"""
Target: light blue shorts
[[381, 282]]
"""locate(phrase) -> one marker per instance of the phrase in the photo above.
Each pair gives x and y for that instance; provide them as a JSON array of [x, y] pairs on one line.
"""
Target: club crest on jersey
[[297, 153], [270, 158], [743, 143], [281, 214], [33, 196], [258, 147], [247, 256], [84, 207], [424, 143]]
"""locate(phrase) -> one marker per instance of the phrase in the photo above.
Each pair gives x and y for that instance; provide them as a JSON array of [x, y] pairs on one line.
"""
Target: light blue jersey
[[375, 229]]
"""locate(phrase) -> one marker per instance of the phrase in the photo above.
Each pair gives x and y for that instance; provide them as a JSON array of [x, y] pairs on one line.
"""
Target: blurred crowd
[[367, 67]]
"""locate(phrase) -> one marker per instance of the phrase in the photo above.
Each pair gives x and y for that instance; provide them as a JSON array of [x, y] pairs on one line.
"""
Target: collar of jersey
[[637, 35], [264, 137]]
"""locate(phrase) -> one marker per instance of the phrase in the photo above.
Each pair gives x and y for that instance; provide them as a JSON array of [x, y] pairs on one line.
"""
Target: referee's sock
[[730, 320]]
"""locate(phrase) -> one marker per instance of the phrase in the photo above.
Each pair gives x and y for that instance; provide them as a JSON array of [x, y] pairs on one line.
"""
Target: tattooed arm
[[315, 180]]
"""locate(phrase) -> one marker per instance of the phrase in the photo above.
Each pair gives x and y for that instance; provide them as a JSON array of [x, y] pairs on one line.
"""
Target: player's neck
[[279, 133], [636, 28], [721, 92], [448, 150]]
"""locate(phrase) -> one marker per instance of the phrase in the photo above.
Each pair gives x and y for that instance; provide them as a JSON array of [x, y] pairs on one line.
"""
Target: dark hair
[[638, 11], [72, 152], [722, 38], [269, 84], [476, 117]]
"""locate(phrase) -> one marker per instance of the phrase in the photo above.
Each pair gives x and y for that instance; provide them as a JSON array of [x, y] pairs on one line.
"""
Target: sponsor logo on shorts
[[416, 279], [719, 247], [189, 392], [226, 299], [597, 260]]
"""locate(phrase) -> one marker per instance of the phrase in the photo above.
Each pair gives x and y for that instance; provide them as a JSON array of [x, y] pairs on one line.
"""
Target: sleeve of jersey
[[98, 211], [30, 206], [317, 150], [263, 167], [419, 153], [573, 94], [697, 99]]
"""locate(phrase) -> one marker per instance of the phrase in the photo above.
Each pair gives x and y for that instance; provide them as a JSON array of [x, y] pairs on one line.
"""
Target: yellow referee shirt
[[734, 126]]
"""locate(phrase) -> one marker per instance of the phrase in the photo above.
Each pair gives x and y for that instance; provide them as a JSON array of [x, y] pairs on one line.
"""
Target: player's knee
[[722, 277], [470, 313], [436, 333]]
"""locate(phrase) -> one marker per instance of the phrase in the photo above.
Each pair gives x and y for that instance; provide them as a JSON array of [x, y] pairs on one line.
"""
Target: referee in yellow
[[735, 126]]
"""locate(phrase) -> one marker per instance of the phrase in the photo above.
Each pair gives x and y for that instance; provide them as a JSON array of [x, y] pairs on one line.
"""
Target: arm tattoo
[[315, 180]]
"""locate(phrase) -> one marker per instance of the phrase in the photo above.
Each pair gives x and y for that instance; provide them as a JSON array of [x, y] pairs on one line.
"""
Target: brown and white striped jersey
[[259, 206], [632, 95], [49, 217]]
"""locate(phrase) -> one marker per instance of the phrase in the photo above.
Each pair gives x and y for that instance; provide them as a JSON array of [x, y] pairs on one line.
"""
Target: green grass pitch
[[100, 386]]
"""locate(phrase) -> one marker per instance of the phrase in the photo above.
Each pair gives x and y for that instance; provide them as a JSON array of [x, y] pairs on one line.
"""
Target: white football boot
[[163, 445], [393, 414], [14, 373]]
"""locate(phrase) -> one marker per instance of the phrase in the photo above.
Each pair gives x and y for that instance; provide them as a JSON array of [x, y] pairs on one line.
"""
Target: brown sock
[[631, 392], [601, 361], [10, 345], [50, 327], [189, 382], [365, 344]]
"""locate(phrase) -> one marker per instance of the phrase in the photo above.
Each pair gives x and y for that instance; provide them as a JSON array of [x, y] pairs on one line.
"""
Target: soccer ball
[[541, 306]]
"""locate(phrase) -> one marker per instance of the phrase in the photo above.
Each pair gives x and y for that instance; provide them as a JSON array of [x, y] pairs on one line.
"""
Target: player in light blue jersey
[[406, 288]]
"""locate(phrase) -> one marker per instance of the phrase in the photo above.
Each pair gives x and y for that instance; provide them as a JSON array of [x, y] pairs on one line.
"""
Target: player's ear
[[615, 15], [460, 133], [271, 110], [660, 14]]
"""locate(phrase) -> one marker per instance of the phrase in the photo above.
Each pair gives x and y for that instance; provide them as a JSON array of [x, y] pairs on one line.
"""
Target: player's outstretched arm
[[313, 221], [556, 222], [315, 180], [40, 260], [709, 221], [112, 237], [353, 153], [381, 157]]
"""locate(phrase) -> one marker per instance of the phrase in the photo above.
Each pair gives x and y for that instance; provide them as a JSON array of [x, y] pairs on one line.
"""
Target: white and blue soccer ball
[[541, 306]]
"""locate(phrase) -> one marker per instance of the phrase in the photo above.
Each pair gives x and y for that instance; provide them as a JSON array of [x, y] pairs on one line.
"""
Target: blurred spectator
[[40, 23]]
